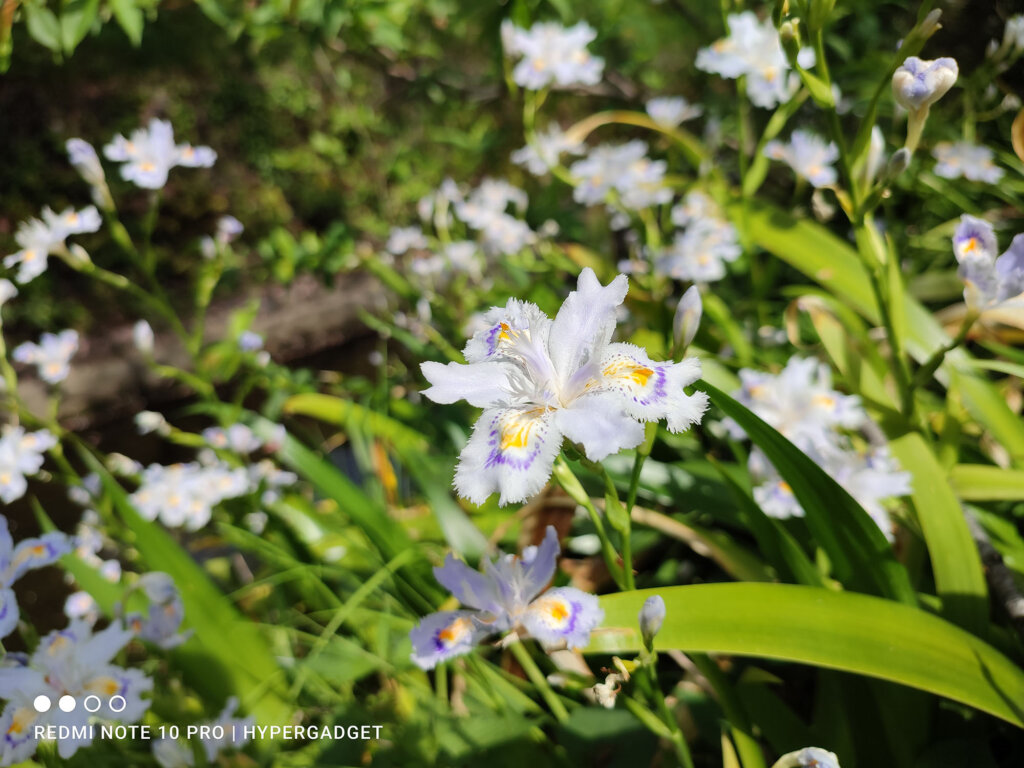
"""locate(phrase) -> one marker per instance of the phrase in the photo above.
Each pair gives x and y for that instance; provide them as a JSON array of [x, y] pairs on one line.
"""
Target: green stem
[[835, 129], [746, 745], [668, 717], [565, 477], [539, 680]]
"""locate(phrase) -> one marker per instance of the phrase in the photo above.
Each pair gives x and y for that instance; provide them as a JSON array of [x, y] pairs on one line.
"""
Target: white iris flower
[[541, 380]]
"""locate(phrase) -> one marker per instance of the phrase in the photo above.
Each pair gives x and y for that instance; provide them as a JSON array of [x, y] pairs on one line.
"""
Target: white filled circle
[[92, 703], [42, 703], [120, 699], [67, 703]]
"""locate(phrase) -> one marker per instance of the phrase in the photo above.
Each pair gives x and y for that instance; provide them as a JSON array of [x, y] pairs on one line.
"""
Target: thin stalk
[[539, 681], [668, 717]]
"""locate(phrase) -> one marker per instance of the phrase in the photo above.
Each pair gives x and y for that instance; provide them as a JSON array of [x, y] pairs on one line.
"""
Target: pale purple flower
[[989, 280], [16, 561], [686, 320], [502, 598], [76, 662], [919, 83]]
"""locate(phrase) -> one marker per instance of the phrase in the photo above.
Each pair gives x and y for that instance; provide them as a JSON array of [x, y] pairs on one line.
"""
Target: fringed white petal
[[510, 452]]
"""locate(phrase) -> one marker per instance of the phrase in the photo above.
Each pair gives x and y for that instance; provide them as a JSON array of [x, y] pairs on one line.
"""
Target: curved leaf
[[861, 557], [959, 578], [837, 630]]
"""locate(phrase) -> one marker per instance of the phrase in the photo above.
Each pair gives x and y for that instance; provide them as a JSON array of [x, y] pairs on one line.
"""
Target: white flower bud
[[142, 337], [652, 616], [687, 317], [919, 83]]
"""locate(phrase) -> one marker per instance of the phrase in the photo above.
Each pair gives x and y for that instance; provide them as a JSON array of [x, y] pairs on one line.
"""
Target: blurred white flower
[[151, 421], [16, 561], [185, 494], [671, 111], [39, 239], [753, 49], [544, 152], [809, 155], [151, 153], [973, 162], [82, 605], [624, 169], [51, 356], [799, 402], [553, 55], [700, 252], [404, 239]]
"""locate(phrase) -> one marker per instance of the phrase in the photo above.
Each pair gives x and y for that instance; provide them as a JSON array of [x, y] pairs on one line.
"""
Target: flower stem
[[539, 680], [565, 477], [668, 717]]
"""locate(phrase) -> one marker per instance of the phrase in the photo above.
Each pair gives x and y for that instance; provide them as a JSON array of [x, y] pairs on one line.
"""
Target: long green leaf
[[861, 557], [837, 630], [959, 578], [231, 646], [981, 482]]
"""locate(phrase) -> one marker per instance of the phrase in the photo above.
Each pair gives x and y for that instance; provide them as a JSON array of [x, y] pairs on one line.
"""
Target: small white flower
[[553, 55], [800, 403], [151, 153], [637, 181], [671, 111], [404, 239], [753, 49], [39, 239], [544, 153], [973, 162], [185, 494], [700, 252], [808, 155], [51, 356]]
